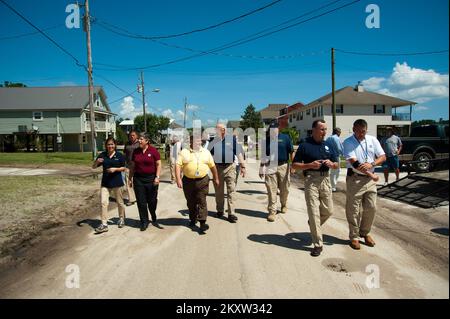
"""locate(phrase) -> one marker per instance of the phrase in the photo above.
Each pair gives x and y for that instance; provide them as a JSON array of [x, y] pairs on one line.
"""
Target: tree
[[251, 118], [8, 84], [155, 124], [121, 135], [293, 134]]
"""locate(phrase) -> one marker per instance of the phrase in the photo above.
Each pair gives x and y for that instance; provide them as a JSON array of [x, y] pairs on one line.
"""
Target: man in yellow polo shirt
[[195, 163]]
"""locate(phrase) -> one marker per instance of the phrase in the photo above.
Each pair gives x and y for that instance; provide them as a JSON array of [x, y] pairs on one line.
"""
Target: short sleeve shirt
[[365, 151], [285, 147], [195, 164], [223, 151], [309, 151], [111, 180], [391, 145], [145, 162]]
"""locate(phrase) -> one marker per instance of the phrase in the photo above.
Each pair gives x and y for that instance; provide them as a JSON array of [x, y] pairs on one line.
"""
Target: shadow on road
[[251, 192], [252, 213], [299, 241]]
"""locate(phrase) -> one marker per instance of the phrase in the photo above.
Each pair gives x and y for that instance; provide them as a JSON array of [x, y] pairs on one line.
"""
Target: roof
[[48, 98], [127, 122], [272, 110], [175, 125], [349, 96]]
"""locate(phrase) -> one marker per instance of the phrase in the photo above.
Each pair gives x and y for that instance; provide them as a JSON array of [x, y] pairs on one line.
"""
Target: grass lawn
[[46, 158]]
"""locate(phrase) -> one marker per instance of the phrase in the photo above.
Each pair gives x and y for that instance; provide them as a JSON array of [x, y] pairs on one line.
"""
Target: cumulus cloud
[[191, 107], [411, 83], [128, 109], [421, 108]]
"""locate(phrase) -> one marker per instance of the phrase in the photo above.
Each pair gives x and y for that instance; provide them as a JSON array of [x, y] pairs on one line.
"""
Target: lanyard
[[366, 152], [197, 156]]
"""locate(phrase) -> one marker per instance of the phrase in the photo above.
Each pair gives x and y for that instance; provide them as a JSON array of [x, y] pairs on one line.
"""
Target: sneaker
[[232, 218], [121, 223], [385, 183], [334, 190], [271, 218], [101, 229], [316, 251]]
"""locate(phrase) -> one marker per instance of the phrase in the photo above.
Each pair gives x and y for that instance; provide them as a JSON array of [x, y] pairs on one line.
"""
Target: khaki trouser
[[318, 202], [279, 180], [172, 166], [104, 197], [129, 190], [227, 175], [361, 193]]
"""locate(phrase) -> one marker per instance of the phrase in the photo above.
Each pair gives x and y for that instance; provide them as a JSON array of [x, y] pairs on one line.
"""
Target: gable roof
[[349, 96], [48, 98], [272, 110]]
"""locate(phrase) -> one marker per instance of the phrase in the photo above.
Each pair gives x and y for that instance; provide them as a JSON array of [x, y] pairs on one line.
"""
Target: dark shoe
[[316, 251], [368, 240], [354, 243], [219, 214], [192, 223], [204, 227], [144, 226], [121, 223], [101, 229], [232, 218], [157, 225]]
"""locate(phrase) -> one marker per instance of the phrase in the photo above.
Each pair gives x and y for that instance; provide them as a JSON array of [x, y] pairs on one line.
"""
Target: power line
[[121, 98], [137, 36], [44, 34], [242, 41], [16, 36], [392, 54]]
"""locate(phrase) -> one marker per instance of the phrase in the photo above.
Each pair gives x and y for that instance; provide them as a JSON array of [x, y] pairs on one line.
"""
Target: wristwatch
[[157, 177], [373, 164]]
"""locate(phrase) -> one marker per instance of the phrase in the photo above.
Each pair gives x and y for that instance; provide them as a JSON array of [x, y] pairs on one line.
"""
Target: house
[[127, 126], [352, 103], [53, 118], [287, 115], [271, 112]]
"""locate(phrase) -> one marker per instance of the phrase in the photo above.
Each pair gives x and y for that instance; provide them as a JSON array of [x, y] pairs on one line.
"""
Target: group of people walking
[[318, 159]]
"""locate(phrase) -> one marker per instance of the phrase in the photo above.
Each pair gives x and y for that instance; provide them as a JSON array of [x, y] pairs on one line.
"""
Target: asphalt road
[[250, 259]]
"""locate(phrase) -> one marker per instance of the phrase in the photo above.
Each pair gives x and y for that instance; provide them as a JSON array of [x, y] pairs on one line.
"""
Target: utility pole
[[87, 28], [185, 107], [333, 100], [143, 101]]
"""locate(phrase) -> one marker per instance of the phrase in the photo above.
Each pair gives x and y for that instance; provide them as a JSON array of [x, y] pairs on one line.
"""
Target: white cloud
[[127, 108], [67, 83], [421, 108], [168, 113], [411, 83], [191, 107]]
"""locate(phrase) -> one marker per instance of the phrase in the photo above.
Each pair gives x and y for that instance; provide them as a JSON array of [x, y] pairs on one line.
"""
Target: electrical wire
[[392, 54]]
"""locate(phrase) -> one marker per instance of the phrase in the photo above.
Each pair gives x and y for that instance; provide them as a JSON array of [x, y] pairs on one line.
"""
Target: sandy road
[[250, 259]]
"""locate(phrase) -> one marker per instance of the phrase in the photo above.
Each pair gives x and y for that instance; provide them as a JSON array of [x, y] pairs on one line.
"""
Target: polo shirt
[[391, 145], [365, 151], [111, 180], [335, 143], [129, 149], [309, 151], [195, 164], [285, 148], [224, 150], [145, 162]]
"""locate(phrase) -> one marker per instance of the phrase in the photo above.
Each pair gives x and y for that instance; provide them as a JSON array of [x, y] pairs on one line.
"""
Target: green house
[[53, 118]]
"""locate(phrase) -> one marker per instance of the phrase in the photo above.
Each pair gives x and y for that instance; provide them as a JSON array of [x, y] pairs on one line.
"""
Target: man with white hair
[[223, 148]]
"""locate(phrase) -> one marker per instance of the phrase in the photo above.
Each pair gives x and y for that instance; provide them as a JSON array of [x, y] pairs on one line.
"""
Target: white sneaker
[[334, 190]]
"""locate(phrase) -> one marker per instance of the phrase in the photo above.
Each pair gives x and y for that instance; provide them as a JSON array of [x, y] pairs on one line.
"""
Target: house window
[[314, 112], [321, 111], [308, 111], [298, 116], [290, 118], [340, 108], [37, 116], [379, 109], [301, 116]]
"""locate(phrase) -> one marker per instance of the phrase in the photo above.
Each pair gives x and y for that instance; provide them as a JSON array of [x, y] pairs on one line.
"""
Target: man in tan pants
[[223, 148], [362, 152], [316, 159], [275, 169]]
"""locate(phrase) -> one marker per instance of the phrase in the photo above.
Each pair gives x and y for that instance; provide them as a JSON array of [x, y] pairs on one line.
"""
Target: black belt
[[195, 179]]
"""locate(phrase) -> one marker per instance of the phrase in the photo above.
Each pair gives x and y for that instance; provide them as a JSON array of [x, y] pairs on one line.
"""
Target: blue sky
[[221, 86]]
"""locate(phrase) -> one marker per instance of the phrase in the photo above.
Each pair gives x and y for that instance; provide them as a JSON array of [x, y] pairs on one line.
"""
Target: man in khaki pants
[[362, 152], [275, 170], [223, 148], [316, 159]]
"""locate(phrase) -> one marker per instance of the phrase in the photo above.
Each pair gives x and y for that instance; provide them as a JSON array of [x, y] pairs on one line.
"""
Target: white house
[[352, 103]]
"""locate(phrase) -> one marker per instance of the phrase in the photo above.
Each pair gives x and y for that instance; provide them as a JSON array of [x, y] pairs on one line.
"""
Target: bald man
[[224, 148]]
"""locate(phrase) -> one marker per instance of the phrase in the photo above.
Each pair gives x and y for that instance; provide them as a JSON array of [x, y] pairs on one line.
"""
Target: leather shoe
[[316, 251], [369, 241], [144, 226], [219, 214], [232, 218], [204, 227], [355, 244]]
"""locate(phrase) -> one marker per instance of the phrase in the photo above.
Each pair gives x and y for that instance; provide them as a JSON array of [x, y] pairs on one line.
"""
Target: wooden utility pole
[[185, 107], [87, 28], [333, 101], [143, 101]]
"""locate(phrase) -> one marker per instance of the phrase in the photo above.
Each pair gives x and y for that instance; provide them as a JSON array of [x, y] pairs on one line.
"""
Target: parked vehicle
[[425, 143]]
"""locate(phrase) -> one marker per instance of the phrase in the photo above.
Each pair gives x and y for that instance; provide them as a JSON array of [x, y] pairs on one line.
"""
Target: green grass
[[46, 158]]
